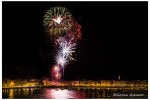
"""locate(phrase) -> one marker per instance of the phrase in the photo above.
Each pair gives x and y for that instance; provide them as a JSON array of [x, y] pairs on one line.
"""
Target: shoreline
[[82, 87]]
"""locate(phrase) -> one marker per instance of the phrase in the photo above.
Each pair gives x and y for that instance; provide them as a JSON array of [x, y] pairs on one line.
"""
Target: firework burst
[[56, 72], [61, 59], [67, 49], [74, 33], [65, 32], [57, 21]]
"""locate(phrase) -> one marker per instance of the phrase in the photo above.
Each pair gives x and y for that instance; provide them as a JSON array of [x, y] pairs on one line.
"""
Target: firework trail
[[65, 31]]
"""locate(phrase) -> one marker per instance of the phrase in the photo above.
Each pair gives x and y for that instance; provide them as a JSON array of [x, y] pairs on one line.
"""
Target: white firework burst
[[67, 49], [61, 60]]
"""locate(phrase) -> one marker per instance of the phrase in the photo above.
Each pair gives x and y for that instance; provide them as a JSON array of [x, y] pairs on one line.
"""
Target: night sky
[[114, 40]]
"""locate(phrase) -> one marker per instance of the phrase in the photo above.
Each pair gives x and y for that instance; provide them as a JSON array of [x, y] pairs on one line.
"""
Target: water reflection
[[72, 92], [11, 94], [63, 94]]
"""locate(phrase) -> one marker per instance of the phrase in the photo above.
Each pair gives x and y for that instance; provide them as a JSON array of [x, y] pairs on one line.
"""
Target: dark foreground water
[[74, 93]]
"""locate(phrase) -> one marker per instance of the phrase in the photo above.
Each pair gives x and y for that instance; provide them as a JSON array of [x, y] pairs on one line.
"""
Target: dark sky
[[114, 40]]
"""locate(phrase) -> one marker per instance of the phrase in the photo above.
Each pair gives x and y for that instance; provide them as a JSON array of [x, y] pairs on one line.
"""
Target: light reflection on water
[[62, 94], [74, 93], [11, 94]]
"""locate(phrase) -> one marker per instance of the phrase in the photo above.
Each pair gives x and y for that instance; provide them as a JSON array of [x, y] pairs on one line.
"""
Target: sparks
[[61, 60], [58, 19], [67, 49], [64, 32], [56, 68], [56, 72]]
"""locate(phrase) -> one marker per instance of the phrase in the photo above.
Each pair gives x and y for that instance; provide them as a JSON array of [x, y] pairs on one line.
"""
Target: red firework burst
[[56, 72], [74, 34]]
